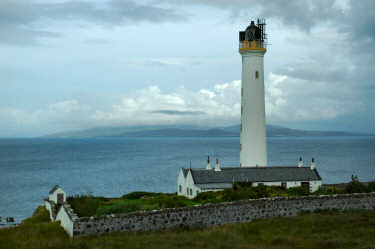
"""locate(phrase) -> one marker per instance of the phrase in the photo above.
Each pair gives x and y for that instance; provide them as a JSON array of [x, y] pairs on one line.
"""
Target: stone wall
[[51, 207], [215, 214]]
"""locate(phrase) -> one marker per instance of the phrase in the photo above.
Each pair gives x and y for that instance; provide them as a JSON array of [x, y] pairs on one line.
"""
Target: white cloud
[[211, 107], [288, 99]]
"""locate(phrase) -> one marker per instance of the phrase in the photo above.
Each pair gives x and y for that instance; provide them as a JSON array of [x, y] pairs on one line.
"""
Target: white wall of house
[[53, 196], [181, 184], [191, 189], [186, 185], [314, 185], [66, 222]]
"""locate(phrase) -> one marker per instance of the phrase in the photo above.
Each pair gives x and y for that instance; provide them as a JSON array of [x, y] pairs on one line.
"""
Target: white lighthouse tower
[[253, 148]]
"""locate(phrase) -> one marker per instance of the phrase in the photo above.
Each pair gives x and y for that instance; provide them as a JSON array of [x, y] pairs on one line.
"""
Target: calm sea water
[[29, 168]]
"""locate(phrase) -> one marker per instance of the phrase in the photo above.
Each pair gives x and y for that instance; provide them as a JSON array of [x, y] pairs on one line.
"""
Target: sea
[[112, 167]]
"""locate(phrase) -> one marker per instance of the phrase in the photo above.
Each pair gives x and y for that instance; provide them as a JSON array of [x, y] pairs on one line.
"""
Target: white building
[[195, 180], [57, 195], [253, 150]]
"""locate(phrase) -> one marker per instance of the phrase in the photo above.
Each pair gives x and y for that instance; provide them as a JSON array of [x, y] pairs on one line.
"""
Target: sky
[[73, 65]]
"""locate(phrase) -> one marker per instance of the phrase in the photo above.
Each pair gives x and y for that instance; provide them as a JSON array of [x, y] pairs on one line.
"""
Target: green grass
[[327, 229]]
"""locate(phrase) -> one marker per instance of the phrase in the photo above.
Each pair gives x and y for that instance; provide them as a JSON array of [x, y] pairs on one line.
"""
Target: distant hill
[[191, 131]]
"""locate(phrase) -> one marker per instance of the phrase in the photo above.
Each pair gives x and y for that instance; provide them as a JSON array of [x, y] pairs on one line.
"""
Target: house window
[[260, 184], [197, 192], [256, 74], [191, 192], [180, 188], [283, 184], [187, 191]]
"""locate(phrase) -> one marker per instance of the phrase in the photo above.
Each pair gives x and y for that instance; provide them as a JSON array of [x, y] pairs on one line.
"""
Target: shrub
[[84, 205], [298, 191], [328, 191], [205, 197], [165, 201], [371, 187], [138, 194], [354, 186]]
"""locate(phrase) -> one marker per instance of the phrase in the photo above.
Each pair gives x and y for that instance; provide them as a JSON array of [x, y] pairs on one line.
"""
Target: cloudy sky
[[71, 65]]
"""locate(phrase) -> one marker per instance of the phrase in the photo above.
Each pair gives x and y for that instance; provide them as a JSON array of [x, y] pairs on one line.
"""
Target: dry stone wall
[[51, 207], [217, 214]]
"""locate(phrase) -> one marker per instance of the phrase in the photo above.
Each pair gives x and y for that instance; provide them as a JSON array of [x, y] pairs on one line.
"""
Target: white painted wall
[[66, 222], [190, 185], [187, 184], [53, 196], [253, 120], [181, 181], [314, 185]]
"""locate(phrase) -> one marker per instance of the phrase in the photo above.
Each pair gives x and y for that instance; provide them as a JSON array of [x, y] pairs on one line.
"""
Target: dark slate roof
[[214, 185], [54, 189], [254, 174], [185, 171]]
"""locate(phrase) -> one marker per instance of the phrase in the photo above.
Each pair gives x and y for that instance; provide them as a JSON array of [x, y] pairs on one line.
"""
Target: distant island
[[191, 131]]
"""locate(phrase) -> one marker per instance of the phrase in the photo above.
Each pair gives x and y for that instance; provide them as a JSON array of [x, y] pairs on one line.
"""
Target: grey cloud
[[317, 73], [114, 12], [302, 14], [19, 19], [23, 36], [174, 112]]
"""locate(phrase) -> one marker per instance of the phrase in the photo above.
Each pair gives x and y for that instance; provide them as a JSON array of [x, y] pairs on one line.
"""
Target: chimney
[[312, 164], [300, 162], [217, 166], [208, 165]]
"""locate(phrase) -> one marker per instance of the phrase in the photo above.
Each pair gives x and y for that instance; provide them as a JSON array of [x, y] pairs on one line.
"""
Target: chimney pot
[[208, 165], [312, 164], [300, 162], [217, 167]]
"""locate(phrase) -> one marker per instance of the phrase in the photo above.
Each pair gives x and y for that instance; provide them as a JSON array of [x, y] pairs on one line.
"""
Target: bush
[[85, 204], [138, 194], [328, 191], [119, 207], [354, 186], [298, 191], [165, 201], [205, 197], [371, 187]]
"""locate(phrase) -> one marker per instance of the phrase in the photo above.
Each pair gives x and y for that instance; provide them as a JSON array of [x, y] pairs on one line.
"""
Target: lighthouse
[[252, 47], [253, 153]]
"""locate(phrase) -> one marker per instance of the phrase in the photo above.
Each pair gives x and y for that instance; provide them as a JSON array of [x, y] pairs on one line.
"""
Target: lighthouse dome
[[252, 32]]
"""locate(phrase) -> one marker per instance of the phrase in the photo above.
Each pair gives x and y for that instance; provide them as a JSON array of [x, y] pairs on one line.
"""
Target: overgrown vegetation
[[89, 205], [324, 229]]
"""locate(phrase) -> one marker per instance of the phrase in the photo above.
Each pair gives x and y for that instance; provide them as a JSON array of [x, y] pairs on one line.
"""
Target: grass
[[327, 229]]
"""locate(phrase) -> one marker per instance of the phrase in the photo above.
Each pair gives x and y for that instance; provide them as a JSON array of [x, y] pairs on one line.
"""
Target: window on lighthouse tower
[[256, 74]]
